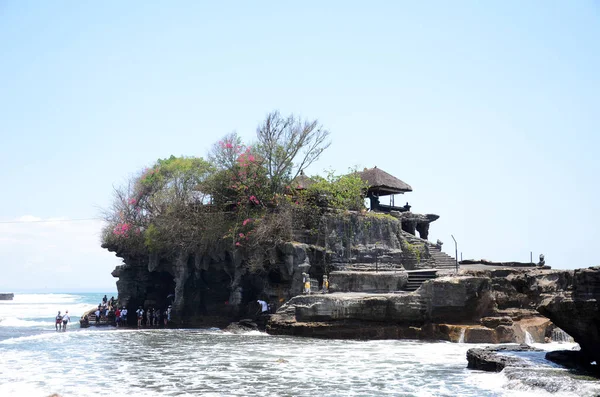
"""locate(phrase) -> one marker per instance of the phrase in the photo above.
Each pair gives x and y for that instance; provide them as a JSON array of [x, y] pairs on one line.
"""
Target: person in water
[[66, 318], [58, 323]]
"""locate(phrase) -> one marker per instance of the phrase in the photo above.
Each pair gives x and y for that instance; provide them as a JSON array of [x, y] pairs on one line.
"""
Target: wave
[[44, 311], [17, 322], [45, 298]]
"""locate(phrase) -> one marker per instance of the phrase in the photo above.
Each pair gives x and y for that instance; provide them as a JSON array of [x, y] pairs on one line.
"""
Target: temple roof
[[302, 182], [382, 183]]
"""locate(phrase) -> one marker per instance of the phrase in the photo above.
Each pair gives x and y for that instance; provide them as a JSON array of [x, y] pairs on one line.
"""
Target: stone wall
[[354, 281]]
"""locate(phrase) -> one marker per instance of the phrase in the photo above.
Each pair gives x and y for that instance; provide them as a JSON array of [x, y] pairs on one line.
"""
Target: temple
[[381, 184]]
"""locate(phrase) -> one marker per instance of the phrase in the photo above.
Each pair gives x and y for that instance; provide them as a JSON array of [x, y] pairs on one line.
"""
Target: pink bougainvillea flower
[[132, 201], [246, 221], [241, 235], [238, 244]]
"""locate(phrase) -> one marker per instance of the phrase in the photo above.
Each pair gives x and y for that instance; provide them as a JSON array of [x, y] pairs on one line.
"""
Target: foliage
[[412, 249], [288, 145], [240, 196], [339, 191]]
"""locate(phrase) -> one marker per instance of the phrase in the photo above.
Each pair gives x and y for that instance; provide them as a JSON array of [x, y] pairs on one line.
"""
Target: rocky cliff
[[215, 286]]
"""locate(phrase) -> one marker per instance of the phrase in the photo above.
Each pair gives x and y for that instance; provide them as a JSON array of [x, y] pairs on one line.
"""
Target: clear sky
[[490, 110]]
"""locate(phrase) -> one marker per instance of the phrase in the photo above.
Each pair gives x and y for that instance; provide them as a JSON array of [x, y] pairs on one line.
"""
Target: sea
[[36, 360]]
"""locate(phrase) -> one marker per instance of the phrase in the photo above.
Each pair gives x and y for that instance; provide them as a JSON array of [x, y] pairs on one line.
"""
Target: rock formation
[[472, 306], [217, 286], [7, 297], [575, 308]]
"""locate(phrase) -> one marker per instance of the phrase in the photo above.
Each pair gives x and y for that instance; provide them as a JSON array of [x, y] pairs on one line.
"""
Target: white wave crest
[[17, 322], [45, 298]]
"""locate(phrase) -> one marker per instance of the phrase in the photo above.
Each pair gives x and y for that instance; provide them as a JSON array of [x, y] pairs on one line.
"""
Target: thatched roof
[[383, 183], [301, 182]]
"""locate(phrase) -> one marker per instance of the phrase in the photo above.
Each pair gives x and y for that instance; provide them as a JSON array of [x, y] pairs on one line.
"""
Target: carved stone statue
[[542, 261]]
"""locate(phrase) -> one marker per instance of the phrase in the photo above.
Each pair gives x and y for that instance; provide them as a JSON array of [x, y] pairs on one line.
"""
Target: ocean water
[[35, 360]]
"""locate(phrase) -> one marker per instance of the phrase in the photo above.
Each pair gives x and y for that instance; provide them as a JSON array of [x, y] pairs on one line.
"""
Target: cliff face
[[215, 287], [575, 309]]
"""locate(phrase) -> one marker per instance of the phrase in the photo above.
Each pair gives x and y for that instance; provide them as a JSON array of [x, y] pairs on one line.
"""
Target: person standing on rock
[[66, 318]]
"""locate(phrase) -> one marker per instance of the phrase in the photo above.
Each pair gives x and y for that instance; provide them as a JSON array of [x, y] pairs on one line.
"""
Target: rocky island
[[213, 237], [6, 296]]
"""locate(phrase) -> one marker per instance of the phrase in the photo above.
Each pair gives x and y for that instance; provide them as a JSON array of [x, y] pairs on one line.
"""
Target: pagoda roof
[[382, 183], [302, 182]]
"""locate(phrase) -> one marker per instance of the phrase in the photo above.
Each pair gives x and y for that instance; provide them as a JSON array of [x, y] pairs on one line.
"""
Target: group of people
[[152, 317], [62, 321]]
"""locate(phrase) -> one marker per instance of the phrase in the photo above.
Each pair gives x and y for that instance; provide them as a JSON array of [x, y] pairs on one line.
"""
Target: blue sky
[[490, 110]]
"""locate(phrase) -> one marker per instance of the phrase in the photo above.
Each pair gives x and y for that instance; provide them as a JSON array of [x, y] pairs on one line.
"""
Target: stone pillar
[[409, 227], [423, 229]]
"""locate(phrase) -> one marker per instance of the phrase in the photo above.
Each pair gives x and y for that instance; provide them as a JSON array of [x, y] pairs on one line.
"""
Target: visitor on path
[[104, 301], [149, 317], [97, 313], [165, 318], [58, 323], [156, 317], [169, 313], [66, 318], [140, 316]]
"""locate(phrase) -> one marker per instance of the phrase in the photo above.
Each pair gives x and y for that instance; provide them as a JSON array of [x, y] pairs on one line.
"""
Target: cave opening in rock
[[161, 290]]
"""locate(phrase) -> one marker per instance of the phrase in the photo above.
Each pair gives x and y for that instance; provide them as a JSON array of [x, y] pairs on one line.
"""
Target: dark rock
[[488, 359], [7, 297], [241, 327], [574, 359], [576, 309]]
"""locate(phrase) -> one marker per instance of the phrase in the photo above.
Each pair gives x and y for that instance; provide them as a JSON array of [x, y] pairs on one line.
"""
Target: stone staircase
[[438, 260], [441, 259], [418, 277]]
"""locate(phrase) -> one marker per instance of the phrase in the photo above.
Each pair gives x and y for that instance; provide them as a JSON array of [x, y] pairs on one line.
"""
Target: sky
[[489, 110]]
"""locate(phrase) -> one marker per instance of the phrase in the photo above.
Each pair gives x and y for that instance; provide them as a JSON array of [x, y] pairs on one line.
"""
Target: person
[[104, 301], [306, 281], [140, 316], [117, 316], [65, 320], [169, 313], [157, 317], [165, 318], [112, 301], [97, 313], [58, 324], [263, 306], [124, 316]]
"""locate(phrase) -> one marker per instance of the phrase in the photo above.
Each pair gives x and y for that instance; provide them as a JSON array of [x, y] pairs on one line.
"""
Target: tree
[[288, 145]]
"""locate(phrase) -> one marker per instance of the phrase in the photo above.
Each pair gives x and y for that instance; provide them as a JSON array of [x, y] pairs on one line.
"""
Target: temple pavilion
[[383, 184]]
